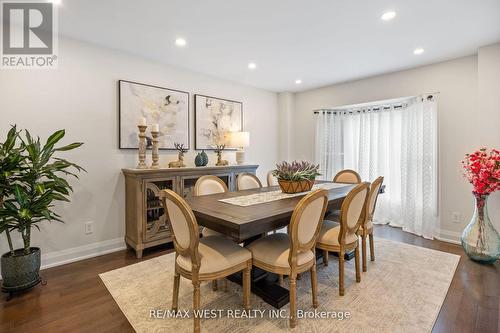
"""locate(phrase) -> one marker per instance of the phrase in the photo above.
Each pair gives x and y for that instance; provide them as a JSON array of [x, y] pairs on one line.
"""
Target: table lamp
[[240, 140]]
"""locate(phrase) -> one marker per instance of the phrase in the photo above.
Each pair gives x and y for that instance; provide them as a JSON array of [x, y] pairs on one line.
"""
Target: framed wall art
[[168, 108], [214, 118]]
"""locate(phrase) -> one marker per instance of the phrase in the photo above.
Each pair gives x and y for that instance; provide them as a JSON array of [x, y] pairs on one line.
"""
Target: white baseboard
[[449, 236], [57, 258], [67, 256]]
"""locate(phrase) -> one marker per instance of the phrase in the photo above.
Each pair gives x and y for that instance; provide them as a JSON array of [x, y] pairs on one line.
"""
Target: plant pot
[[20, 271], [288, 186]]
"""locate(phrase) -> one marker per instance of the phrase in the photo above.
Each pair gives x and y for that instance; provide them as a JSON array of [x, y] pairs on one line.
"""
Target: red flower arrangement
[[482, 169]]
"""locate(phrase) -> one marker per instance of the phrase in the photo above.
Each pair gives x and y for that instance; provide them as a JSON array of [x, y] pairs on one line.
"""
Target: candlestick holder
[[155, 153], [142, 147]]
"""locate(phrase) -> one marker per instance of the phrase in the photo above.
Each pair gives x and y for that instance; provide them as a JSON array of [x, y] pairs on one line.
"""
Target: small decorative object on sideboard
[[33, 178], [142, 144], [218, 150], [240, 140], [180, 162], [155, 132], [480, 240], [201, 159], [296, 177]]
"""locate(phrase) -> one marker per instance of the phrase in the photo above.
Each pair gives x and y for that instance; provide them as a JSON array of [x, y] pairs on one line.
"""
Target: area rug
[[402, 291]]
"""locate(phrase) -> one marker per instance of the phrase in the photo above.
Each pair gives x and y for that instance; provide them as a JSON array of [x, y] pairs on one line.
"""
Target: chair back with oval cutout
[[352, 213], [347, 176], [209, 184], [185, 230], [306, 221], [247, 181], [372, 199], [271, 180]]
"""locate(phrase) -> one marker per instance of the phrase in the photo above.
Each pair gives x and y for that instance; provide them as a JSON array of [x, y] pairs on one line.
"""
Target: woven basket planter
[[295, 187]]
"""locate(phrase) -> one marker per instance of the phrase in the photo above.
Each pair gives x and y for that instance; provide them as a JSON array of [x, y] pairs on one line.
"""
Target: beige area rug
[[402, 291]]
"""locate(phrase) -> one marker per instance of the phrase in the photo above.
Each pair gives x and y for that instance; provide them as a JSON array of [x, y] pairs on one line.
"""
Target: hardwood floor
[[75, 300]]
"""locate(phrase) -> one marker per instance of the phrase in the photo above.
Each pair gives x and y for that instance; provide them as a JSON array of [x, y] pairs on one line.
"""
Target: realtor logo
[[29, 36]]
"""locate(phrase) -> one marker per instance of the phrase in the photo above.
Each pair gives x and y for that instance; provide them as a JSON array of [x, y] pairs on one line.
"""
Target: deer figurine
[[218, 151], [180, 163]]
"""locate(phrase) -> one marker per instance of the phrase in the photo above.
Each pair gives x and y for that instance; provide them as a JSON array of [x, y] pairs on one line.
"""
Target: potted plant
[[296, 177], [480, 240], [31, 180]]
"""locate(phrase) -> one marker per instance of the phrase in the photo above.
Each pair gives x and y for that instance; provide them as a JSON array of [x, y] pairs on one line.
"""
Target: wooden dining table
[[244, 224]]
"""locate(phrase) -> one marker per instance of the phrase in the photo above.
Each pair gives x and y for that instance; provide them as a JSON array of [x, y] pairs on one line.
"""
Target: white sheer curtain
[[397, 141]]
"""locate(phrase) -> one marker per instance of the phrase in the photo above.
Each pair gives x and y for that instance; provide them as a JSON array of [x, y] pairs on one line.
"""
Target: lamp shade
[[240, 139]]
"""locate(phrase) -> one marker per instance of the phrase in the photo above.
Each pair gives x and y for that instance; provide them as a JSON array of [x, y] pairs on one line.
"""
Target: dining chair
[[342, 237], [247, 181], [271, 180], [203, 259], [206, 185], [366, 228], [347, 176], [294, 253]]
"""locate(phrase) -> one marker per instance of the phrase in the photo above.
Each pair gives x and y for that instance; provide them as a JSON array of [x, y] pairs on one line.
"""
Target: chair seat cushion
[[217, 254], [274, 250], [329, 234]]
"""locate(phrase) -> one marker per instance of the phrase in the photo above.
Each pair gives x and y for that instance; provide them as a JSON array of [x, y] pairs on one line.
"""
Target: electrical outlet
[[456, 217], [89, 228]]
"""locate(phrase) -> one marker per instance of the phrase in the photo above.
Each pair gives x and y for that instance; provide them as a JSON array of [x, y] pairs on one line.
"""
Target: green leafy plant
[[33, 183], [296, 171]]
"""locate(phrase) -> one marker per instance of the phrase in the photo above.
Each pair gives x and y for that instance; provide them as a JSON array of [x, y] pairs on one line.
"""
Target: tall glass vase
[[480, 240]]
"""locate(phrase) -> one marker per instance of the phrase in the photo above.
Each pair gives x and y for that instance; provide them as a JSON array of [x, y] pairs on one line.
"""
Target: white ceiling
[[319, 41]]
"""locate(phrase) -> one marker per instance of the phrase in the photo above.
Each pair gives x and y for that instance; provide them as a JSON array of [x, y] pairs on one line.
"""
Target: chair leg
[[314, 285], [281, 283], [356, 262], [325, 257], [175, 294], [225, 284], [363, 250], [214, 285], [341, 273], [246, 287], [293, 300], [196, 306], [372, 248]]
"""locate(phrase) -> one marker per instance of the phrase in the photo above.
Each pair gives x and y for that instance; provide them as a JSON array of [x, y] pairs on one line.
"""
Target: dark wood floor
[[75, 300]]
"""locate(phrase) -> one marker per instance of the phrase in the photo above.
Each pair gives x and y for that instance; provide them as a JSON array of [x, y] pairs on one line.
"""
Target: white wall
[[460, 117], [489, 108], [81, 96]]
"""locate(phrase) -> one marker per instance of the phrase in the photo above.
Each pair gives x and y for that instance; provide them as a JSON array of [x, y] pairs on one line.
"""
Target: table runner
[[263, 197]]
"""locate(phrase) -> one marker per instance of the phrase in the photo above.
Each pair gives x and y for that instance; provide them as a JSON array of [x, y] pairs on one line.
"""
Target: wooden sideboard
[[146, 221]]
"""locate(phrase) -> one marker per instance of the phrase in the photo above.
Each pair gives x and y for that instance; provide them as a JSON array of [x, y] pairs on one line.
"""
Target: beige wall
[[81, 96], [459, 117]]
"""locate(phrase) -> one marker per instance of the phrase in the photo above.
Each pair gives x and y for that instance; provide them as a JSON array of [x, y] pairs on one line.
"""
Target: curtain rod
[[376, 106]]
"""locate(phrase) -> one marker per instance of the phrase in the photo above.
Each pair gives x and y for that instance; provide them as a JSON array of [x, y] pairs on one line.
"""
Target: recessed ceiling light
[[252, 65], [298, 81], [387, 16], [180, 42], [418, 51]]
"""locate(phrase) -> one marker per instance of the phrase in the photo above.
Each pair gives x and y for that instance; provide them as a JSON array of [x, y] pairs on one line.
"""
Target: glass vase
[[480, 240]]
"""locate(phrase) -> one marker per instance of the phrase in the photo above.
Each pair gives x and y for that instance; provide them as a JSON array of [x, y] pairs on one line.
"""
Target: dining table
[[247, 215]]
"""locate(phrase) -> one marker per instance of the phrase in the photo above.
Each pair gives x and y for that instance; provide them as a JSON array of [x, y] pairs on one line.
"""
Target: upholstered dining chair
[[271, 180], [247, 181], [206, 185], [294, 253], [339, 238], [203, 259], [366, 228], [347, 176]]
